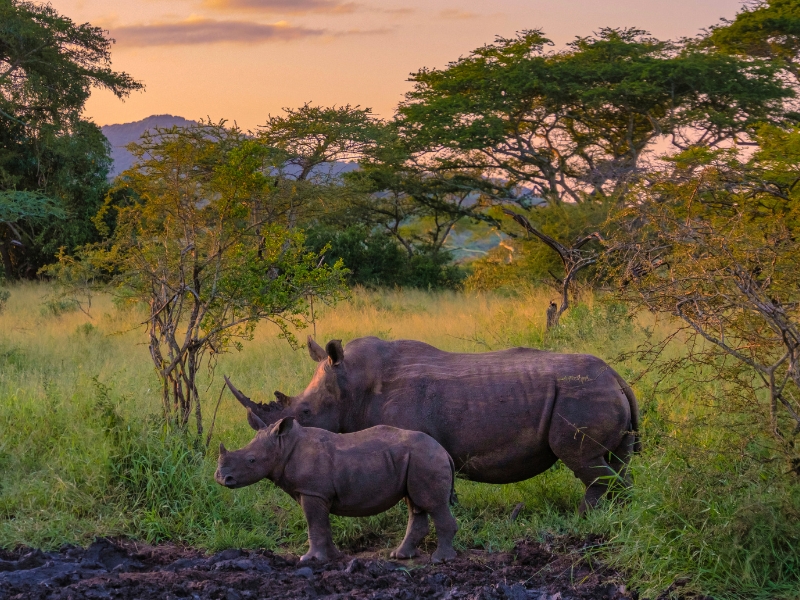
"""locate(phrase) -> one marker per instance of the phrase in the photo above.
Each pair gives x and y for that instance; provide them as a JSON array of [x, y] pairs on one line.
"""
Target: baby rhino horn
[[222, 449]]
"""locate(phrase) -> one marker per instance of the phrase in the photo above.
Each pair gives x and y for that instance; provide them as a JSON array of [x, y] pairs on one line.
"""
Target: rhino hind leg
[[619, 459], [416, 530], [320, 537], [446, 528], [596, 474]]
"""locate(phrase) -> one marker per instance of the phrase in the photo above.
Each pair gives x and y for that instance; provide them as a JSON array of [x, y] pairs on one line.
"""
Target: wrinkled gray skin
[[503, 416], [355, 475]]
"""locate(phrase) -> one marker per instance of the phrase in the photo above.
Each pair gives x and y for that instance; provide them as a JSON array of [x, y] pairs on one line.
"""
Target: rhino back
[[370, 467], [491, 411]]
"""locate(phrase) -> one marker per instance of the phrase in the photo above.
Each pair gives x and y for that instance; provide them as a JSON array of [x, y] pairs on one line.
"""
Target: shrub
[[526, 260], [376, 260]]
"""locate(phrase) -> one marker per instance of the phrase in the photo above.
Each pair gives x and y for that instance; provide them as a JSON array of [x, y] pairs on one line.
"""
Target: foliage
[[195, 246], [53, 165], [48, 65], [79, 459], [764, 29], [714, 243], [308, 139], [375, 260], [55, 182], [307, 150], [397, 191], [574, 124], [522, 260]]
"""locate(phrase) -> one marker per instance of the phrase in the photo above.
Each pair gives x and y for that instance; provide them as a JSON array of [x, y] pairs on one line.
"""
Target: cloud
[[197, 31], [398, 12], [284, 6], [455, 13]]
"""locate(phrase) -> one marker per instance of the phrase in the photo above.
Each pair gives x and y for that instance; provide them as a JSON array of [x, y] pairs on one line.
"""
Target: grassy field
[[81, 453]]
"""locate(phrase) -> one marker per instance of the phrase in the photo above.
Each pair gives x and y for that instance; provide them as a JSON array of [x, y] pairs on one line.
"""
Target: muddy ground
[[127, 570]]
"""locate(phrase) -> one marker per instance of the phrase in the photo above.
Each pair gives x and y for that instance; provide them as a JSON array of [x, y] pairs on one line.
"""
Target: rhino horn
[[222, 449], [245, 401], [283, 398]]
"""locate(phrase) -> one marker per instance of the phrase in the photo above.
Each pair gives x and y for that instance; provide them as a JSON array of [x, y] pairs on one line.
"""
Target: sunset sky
[[244, 59]]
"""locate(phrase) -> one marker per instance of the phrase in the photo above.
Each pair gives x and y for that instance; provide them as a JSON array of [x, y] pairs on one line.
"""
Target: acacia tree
[[573, 125], [764, 29], [715, 243], [193, 244], [308, 150], [410, 203]]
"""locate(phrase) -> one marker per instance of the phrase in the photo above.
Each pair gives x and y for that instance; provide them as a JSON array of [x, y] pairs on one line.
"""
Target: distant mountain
[[123, 134]]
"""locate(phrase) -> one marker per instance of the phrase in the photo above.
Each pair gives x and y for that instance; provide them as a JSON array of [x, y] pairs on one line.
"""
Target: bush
[[376, 260], [525, 260]]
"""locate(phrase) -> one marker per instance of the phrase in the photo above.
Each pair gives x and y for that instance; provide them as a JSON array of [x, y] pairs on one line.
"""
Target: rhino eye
[[306, 411], [251, 460]]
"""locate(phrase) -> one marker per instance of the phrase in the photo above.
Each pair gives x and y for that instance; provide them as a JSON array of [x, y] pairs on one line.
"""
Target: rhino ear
[[335, 351], [282, 398], [283, 426], [315, 350], [254, 421], [222, 450]]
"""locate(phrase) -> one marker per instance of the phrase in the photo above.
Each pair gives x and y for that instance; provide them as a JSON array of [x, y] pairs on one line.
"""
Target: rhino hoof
[[402, 554], [442, 555], [320, 556]]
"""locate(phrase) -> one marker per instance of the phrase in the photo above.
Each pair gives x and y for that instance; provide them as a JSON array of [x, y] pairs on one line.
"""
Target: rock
[[186, 563], [229, 554], [305, 572], [105, 554], [513, 592], [354, 566], [241, 564], [31, 560]]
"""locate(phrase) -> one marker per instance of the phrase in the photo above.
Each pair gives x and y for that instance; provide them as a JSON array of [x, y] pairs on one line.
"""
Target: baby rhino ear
[[283, 426]]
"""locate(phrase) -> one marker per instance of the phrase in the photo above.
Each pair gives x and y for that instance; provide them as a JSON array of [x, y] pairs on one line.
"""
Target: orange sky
[[243, 59]]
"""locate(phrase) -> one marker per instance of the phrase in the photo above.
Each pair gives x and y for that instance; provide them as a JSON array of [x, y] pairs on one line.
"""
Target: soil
[[128, 570]]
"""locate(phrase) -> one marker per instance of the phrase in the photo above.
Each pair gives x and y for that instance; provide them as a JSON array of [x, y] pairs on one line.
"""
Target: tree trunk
[[8, 267]]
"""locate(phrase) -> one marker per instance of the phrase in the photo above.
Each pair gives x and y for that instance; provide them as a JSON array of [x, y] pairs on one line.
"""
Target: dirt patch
[[128, 570]]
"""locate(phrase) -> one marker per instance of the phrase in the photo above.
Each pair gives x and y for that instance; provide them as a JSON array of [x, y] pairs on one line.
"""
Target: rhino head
[[261, 457], [327, 400]]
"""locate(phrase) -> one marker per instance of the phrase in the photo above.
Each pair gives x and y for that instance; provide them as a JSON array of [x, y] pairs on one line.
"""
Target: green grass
[[82, 456]]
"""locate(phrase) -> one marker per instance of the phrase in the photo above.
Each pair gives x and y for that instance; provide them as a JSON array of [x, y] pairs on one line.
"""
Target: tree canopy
[[48, 64], [765, 29], [53, 164], [574, 124]]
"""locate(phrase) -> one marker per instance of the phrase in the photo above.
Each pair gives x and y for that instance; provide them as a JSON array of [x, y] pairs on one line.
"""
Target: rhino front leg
[[416, 530], [320, 539]]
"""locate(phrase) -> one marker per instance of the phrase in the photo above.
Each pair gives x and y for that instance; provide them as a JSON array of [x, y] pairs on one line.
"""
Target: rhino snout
[[226, 480]]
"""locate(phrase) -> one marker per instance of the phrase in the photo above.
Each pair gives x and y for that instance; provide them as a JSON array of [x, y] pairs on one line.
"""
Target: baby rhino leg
[[320, 539], [446, 528], [416, 531], [430, 484]]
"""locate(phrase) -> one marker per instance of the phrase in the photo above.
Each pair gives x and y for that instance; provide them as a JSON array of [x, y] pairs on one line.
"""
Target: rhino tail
[[628, 391], [453, 497]]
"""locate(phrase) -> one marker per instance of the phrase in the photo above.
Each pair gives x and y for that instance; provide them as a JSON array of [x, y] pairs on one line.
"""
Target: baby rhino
[[350, 474]]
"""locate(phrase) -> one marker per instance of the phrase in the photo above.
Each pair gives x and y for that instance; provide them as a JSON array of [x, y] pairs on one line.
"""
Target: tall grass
[[81, 454]]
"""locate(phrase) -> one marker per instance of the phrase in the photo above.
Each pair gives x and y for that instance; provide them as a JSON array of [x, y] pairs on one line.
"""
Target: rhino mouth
[[229, 481]]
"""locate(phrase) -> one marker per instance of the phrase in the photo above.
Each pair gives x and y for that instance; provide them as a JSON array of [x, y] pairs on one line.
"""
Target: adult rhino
[[503, 416]]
